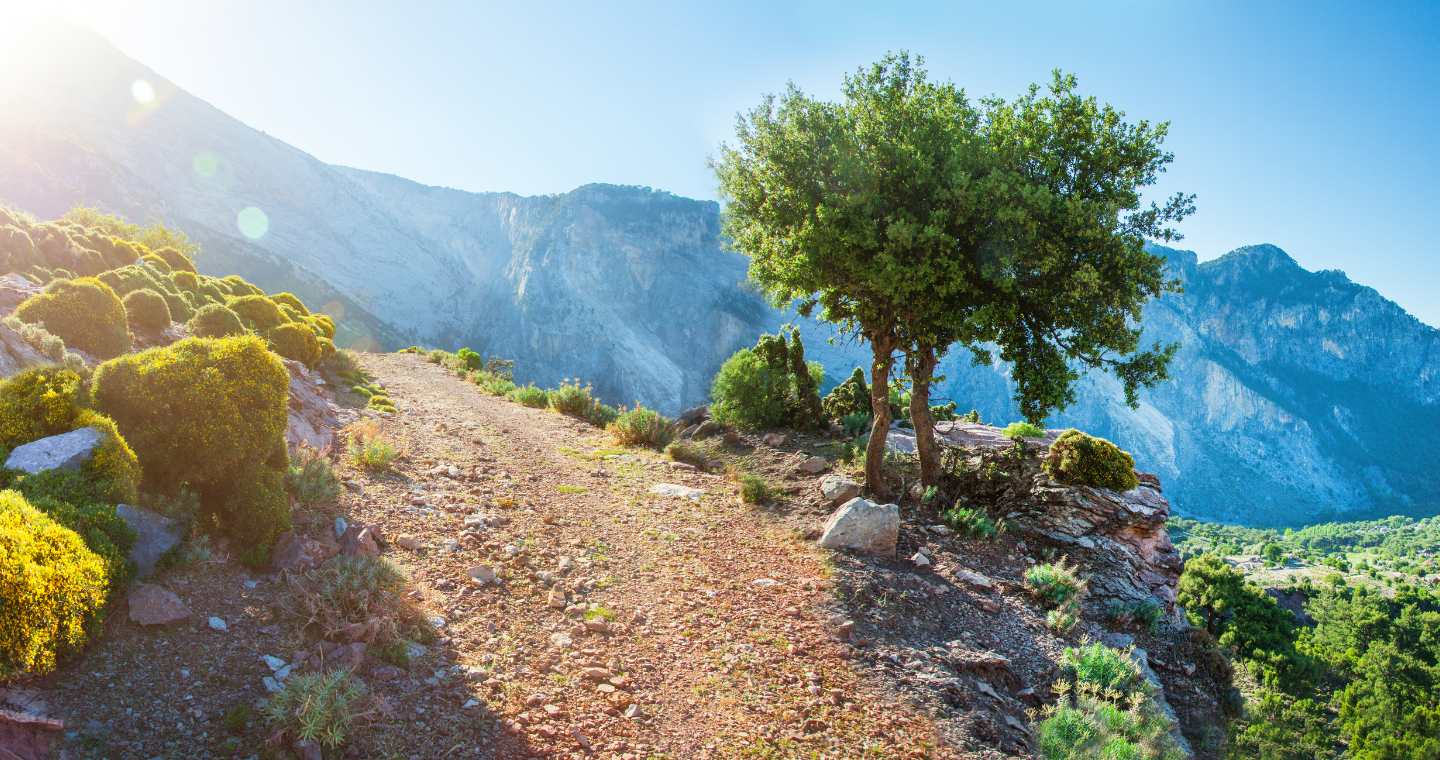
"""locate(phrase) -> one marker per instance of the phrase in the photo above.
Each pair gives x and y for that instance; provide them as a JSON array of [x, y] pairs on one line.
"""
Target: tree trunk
[[880, 408], [922, 368]]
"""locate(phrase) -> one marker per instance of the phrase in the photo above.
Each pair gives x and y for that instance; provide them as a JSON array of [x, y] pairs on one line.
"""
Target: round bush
[[849, 397], [52, 586], [185, 280], [1079, 458], [225, 403], [215, 321], [85, 313], [323, 325], [177, 261], [158, 264], [288, 299], [261, 311], [147, 309], [296, 342], [749, 392]]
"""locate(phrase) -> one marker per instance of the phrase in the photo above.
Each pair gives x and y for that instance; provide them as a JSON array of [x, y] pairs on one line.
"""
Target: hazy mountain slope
[[1295, 394], [624, 287]]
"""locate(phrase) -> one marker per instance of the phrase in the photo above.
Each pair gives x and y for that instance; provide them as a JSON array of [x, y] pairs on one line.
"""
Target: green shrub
[[1146, 613], [84, 503], [856, 425], [287, 299], [1091, 727], [223, 430], [944, 413], [1023, 430], [1079, 458], [749, 393], [215, 321], [754, 490], [600, 415], [263, 313], [52, 586], [85, 313], [411, 350], [146, 309], [296, 342], [310, 478], [529, 395], [1109, 670], [323, 326], [1062, 619], [492, 384], [436, 356], [1054, 582], [46, 401], [372, 446], [642, 427], [353, 591], [971, 523], [175, 260], [570, 398], [186, 281], [319, 706], [470, 360], [157, 263], [851, 397]]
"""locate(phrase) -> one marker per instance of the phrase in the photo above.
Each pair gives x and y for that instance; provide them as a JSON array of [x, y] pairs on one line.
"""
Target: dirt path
[[705, 635]]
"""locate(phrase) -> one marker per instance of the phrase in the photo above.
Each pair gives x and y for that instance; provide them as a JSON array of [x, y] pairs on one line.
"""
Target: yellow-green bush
[[324, 326], [85, 313], [1079, 458], [213, 292], [45, 401], [290, 314], [215, 321], [237, 286], [296, 342], [177, 261], [51, 585], [147, 309], [262, 312], [185, 280], [157, 263], [327, 348], [209, 413], [288, 299]]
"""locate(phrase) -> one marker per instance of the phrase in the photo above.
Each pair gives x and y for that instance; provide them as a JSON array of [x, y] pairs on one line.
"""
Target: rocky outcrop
[[314, 414], [66, 451], [1119, 540], [25, 727], [155, 535], [862, 526]]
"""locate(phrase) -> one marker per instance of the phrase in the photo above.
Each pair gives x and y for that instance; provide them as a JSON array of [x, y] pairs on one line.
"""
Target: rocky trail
[[592, 601]]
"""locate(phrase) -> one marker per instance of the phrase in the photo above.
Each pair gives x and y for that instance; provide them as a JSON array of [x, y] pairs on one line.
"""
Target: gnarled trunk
[[921, 365], [880, 408]]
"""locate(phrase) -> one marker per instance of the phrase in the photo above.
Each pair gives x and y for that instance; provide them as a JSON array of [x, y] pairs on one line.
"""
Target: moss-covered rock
[[85, 313], [1075, 457], [147, 309], [52, 586], [209, 414]]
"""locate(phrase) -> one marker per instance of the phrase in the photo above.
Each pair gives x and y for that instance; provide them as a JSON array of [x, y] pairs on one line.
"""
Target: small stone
[[864, 526], [359, 539], [597, 674], [731, 439], [308, 749], [216, 624], [271, 685], [633, 711], [298, 554], [707, 429], [340, 527], [561, 640], [678, 491], [557, 599], [274, 663], [920, 559], [813, 466], [838, 488], [773, 439], [156, 535], [66, 451], [483, 574], [408, 541], [597, 626], [765, 582]]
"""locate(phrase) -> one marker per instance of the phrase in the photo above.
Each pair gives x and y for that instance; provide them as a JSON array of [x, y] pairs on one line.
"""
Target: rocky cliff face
[[620, 286]]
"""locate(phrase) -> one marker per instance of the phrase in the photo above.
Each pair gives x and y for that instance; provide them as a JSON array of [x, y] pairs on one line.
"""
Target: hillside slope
[[625, 287]]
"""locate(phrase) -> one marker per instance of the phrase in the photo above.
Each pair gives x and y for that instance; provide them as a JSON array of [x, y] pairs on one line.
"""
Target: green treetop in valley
[[919, 220]]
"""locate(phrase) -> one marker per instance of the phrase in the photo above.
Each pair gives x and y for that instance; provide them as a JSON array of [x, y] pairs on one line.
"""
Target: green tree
[[1274, 553], [1241, 616], [917, 219]]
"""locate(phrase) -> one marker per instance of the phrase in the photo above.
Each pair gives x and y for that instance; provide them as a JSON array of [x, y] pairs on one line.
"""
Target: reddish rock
[[314, 415], [359, 539], [152, 605], [297, 554]]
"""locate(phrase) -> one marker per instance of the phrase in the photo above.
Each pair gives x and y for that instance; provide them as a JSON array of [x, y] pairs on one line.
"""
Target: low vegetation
[[319, 707], [1078, 458]]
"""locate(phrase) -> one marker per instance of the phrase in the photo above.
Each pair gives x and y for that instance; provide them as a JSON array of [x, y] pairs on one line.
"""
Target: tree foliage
[[918, 219]]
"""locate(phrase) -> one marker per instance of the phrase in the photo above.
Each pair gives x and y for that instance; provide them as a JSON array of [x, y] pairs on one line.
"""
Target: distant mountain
[[624, 287], [1296, 396]]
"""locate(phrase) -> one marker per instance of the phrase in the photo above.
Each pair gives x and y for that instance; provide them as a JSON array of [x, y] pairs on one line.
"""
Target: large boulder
[[66, 451], [152, 605], [863, 526], [157, 535]]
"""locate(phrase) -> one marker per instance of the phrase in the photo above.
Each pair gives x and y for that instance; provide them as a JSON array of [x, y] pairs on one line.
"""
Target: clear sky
[[1309, 125]]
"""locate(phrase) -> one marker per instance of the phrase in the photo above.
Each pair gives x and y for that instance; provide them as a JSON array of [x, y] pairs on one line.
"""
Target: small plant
[[215, 321], [237, 718], [1087, 723], [529, 395], [396, 653], [1109, 670], [470, 360], [754, 490], [857, 424], [1145, 613], [601, 415], [436, 356], [1055, 582], [971, 523], [372, 446], [1079, 458], [972, 417], [642, 427], [360, 595], [492, 384], [318, 707], [310, 478], [570, 398], [1062, 619], [1023, 430], [689, 453]]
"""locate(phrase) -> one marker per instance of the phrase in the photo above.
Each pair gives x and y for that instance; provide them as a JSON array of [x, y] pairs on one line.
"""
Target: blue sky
[[1307, 125]]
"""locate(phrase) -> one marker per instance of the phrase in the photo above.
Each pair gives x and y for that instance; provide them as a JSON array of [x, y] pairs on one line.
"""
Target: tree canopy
[[919, 219]]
